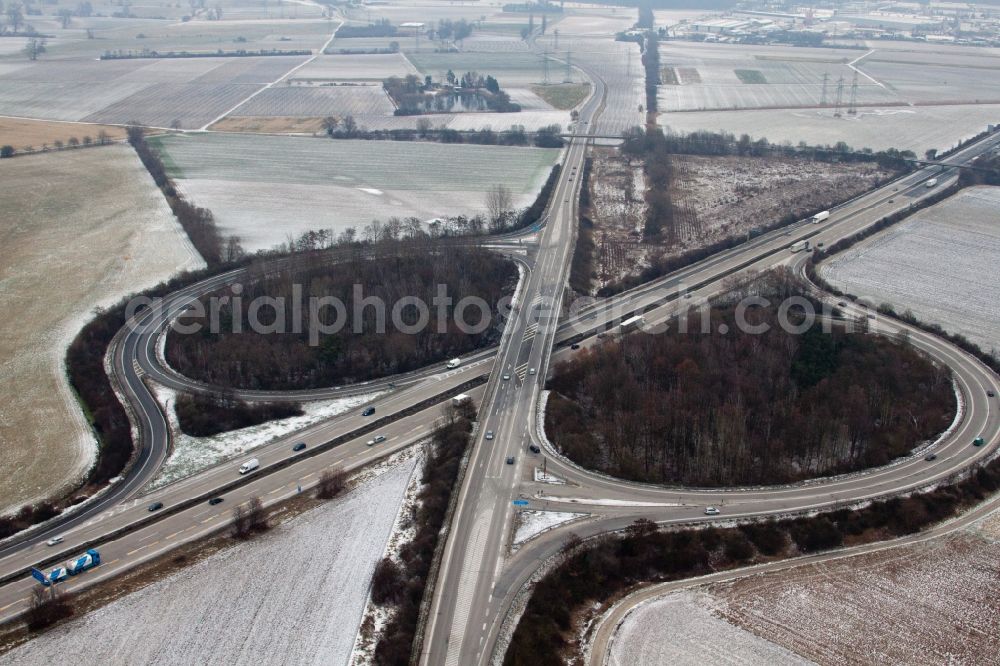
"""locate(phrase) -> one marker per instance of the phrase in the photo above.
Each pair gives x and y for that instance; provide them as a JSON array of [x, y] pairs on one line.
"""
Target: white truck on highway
[[819, 217], [931, 183], [454, 363], [459, 399], [799, 246], [249, 466]]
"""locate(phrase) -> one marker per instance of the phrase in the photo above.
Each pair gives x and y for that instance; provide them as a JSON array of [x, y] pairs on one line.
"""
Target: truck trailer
[[819, 217], [88, 560], [799, 246]]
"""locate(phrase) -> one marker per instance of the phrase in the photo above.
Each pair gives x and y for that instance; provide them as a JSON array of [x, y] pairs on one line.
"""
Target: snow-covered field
[[194, 454], [681, 629], [309, 183], [292, 596], [941, 263], [80, 230], [916, 128]]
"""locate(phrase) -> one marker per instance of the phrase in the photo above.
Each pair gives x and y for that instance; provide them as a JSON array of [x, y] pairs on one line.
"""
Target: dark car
[[534, 448], [368, 412], [930, 456], [990, 394], [510, 460], [155, 506], [215, 500], [299, 446], [574, 346]]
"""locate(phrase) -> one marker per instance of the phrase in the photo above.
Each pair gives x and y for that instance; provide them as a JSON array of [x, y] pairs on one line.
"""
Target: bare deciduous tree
[[499, 201], [46, 606], [249, 518]]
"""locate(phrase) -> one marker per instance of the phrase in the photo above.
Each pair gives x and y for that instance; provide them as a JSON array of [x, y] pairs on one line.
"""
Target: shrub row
[[601, 570], [534, 212], [403, 587]]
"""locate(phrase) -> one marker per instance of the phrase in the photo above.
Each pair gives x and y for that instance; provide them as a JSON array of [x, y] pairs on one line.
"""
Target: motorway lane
[[201, 519]]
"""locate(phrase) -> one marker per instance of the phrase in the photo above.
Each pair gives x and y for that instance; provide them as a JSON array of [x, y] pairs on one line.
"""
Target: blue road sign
[[520, 502]]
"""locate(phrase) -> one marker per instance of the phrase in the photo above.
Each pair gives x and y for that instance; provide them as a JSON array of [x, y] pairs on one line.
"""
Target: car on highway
[[534, 448], [489, 434], [54, 541], [368, 412], [892, 200], [574, 346], [214, 501], [842, 304], [155, 506], [531, 371], [506, 377], [300, 446], [378, 439], [990, 394], [510, 460], [930, 456], [712, 511], [978, 441]]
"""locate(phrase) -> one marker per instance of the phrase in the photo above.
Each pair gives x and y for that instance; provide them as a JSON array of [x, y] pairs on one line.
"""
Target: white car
[[489, 434], [54, 541], [711, 511], [506, 377]]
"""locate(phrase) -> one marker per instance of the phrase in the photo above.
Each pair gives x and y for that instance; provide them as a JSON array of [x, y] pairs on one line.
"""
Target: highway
[[480, 576]]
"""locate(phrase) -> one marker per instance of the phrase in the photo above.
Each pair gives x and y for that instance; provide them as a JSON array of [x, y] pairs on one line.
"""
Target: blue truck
[[88, 560]]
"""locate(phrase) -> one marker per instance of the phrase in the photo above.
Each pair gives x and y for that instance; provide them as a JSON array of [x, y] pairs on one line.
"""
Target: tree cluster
[[736, 408], [402, 587], [389, 272], [381, 28], [203, 415], [471, 91], [598, 571]]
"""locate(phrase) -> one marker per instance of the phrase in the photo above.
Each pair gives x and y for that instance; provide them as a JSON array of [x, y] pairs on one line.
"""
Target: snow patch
[[191, 455], [545, 477], [530, 523]]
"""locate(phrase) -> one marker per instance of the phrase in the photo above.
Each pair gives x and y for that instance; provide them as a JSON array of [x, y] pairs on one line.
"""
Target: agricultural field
[[916, 128], [940, 594], [22, 134], [938, 263], [276, 603], [374, 67], [59, 207], [683, 628], [317, 102], [714, 76], [309, 183], [191, 92]]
